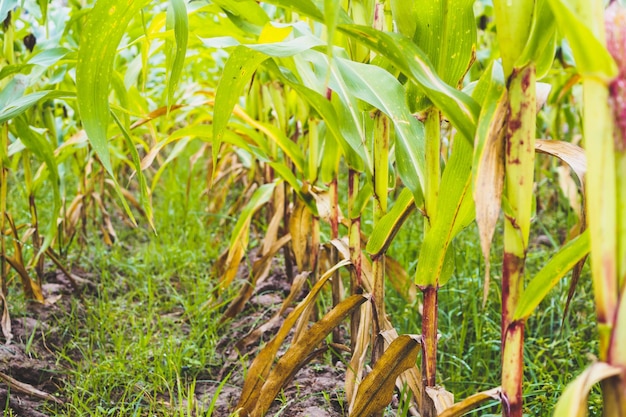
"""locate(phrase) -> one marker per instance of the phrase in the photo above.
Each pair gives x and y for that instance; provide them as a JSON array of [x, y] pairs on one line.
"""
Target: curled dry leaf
[[260, 367], [471, 402], [573, 401], [488, 172], [441, 398], [569, 153], [300, 224], [298, 353], [376, 390]]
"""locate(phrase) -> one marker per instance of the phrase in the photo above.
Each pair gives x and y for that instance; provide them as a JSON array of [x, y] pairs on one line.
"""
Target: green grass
[[469, 348], [149, 331], [140, 344]]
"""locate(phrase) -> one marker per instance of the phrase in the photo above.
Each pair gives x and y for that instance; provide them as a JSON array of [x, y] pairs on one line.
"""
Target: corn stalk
[[604, 80]]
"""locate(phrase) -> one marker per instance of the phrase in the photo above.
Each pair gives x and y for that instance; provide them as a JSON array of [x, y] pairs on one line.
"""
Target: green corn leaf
[[592, 57], [247, 10], [455, 210], [176, 15], [446, 32], [48, 57], [42, 148], [390, 224], [380, 89], [513, 20], [143, 185], [352, 149], [306, 8], [541, 43], [237, 72], [461, 109], [405, 14], [101, 35], [331, 15], [560, 264], [15, 107]]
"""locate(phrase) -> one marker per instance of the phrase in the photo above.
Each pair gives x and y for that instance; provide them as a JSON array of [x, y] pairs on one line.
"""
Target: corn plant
[[597, 39], [358, 88]]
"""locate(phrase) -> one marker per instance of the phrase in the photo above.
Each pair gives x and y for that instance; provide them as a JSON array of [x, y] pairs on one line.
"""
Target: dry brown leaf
[[354, 373], [296, 355], [471, 402], [27, 389], [260, 367], [489, 182], [376, 390], [441, 398], [300, 229], [5, 321], [567, 152], [411, 377]]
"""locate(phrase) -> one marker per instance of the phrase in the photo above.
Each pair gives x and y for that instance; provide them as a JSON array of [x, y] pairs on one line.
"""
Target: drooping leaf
[[377, 387], [387, 227], [16, 106], [100, 37], [573, 401], [472, 402], [260, 367], [567, 152], [591, 56], [296, 355], [459, 108], [488, 165]]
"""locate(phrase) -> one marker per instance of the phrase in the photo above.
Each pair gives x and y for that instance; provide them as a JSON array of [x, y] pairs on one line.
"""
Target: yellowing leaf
[[573, 401]]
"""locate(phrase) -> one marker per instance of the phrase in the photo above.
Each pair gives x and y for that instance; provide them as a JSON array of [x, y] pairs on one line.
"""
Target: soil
[[32, 369], [33, 358], [315, 391]]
